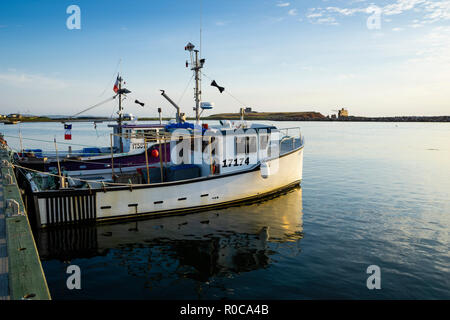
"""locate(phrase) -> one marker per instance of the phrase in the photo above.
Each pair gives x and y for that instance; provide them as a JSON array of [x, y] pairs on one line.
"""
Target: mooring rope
[[51, 141], [77, 179]]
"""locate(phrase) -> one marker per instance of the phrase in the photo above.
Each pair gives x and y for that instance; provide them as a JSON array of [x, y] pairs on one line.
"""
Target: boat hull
[[114, 203]]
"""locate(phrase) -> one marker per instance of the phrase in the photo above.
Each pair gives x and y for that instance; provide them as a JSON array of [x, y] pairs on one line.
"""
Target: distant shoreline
[[266, 116], [316, 116]]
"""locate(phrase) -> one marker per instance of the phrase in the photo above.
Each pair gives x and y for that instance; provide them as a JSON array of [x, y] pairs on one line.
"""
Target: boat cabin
[[133, 135], [224, 148]]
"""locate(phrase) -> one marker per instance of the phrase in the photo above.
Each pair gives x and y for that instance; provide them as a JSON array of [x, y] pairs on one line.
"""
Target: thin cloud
[[346, 76], [432, 11], [437, 11], [328, 21], [221, 23], [275, 19], [314, 15], [22, 80], [283, 4]]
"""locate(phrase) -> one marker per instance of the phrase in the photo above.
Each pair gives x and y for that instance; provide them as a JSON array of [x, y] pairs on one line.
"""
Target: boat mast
[[198, 91], [196, 66], [119, 121]]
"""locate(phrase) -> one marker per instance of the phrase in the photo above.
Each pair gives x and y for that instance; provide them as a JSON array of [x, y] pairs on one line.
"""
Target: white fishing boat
[[209, 166]]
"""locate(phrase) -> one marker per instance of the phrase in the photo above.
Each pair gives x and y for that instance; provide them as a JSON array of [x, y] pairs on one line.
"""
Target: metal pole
[[146, 161], [61, 179], [120, 115], [163, 154], [210, 156], [112, 155], [160, 159], [197, 89], [21, 143]]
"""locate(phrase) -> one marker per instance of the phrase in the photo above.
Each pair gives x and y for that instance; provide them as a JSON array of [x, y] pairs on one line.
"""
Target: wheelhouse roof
[[138, 126]]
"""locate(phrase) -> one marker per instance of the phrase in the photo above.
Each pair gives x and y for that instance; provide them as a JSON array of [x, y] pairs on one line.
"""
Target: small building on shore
[[249, 110], [343, 113]]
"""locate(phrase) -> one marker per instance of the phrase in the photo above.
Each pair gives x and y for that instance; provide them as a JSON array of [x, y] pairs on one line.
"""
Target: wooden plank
[[26, 277], [4, 277], [4, 270]]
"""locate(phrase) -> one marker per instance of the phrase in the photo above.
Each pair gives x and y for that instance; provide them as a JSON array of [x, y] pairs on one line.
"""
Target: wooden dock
[[4, 288], [21, 273]]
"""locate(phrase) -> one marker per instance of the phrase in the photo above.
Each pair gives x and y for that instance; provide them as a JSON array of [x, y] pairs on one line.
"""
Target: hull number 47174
[[235, 162]]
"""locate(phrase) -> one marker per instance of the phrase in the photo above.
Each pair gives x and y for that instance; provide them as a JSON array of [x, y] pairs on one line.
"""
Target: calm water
[[372, 194]]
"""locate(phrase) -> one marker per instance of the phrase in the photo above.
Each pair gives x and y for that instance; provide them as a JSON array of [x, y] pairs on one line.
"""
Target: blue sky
[[271, 55]]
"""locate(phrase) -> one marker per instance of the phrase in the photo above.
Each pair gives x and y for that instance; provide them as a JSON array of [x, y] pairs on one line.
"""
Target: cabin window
[[240, 145], [251, 144], [151, 134], [245, 145], [140, 134], [263, 141], [179, 147], [213, 146], [126, 134]]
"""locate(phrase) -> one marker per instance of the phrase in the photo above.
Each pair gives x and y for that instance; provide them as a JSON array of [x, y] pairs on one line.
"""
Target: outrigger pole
[[163, 93]]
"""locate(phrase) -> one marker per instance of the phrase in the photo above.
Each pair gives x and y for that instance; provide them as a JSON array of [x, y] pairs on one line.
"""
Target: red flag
[[68, 132], [116, 85]]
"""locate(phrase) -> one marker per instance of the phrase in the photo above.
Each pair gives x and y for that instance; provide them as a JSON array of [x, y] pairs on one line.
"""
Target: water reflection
[[197, 246]]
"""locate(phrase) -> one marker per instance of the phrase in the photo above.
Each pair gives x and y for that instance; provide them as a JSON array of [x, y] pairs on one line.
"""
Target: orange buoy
[[155, 153]]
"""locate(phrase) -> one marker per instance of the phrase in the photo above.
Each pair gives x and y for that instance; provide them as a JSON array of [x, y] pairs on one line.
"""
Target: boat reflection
[[197, 246]]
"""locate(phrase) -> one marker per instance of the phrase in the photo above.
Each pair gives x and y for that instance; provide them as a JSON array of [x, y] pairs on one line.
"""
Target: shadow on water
[[171, 256]]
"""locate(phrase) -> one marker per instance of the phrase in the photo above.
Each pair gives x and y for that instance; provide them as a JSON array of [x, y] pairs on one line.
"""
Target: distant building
[[343, 113], [249, 110]]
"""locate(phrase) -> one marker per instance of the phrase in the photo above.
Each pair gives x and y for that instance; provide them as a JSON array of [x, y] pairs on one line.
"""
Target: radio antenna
[[201, 23]]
